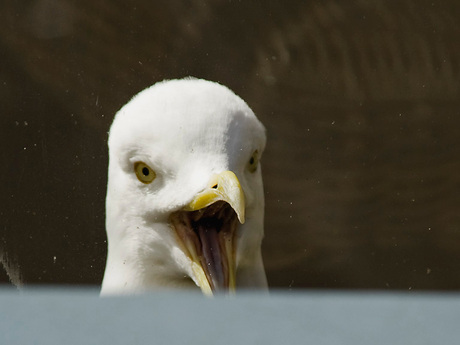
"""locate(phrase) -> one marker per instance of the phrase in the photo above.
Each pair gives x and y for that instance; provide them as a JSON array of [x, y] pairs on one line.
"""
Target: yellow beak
[[222, 187]]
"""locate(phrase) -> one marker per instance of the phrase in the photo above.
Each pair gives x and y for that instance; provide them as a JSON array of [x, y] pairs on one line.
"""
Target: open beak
[[207, 228]]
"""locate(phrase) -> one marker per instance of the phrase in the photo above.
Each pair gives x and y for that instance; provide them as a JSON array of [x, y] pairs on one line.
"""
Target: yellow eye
[[253, 161], [144, 173]]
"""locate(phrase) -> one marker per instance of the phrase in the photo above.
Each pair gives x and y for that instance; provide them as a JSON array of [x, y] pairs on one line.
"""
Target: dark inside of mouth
[[215, 216], [208, 231], [208, 224]]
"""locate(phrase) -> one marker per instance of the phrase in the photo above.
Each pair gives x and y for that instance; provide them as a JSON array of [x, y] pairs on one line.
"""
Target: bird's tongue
[[208, 239], [213, 260]]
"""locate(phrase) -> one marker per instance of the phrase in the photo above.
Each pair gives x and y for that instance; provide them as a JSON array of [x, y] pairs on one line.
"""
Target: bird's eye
[[144, 173], [253, 161]]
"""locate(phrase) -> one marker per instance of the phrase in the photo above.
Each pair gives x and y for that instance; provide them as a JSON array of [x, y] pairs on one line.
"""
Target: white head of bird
[[185, 201]]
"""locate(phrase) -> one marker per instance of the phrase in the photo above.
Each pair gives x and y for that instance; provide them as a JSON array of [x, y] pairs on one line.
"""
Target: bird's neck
[[143, 258], [123, 273]]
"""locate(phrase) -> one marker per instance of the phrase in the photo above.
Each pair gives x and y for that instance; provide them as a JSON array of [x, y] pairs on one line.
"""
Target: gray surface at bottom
[[48, 316]]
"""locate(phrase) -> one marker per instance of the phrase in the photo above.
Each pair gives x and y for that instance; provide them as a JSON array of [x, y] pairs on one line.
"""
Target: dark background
[[361, 100]]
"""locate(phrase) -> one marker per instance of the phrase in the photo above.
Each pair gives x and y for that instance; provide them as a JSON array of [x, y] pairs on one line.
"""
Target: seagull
[[185, 202]]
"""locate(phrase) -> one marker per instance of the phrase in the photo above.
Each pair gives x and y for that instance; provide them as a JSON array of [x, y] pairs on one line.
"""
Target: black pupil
[[251, 161], [145, 171]]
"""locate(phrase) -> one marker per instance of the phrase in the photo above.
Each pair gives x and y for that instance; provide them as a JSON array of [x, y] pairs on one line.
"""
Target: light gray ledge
[[57, 316]]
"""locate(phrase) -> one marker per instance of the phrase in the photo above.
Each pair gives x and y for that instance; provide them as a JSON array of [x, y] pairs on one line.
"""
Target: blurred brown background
[[360, 100]]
